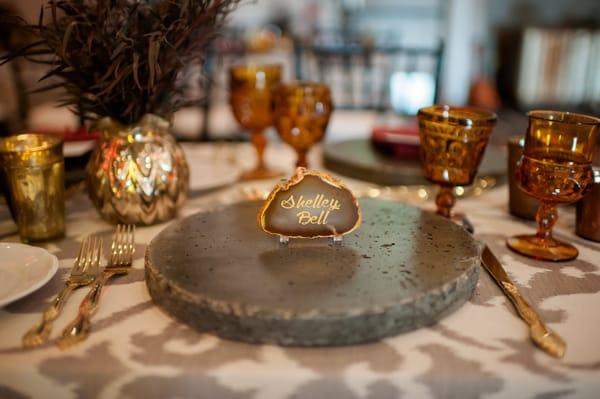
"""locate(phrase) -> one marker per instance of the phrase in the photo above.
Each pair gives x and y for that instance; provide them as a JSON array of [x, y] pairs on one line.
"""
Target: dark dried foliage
[[121, 58]]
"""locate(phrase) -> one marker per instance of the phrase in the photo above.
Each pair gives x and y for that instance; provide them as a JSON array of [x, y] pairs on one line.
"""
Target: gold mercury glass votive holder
[[34, 179]]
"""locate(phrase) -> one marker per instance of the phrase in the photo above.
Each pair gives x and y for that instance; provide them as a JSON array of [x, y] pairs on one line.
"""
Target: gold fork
[[84, 271], [121, 258]]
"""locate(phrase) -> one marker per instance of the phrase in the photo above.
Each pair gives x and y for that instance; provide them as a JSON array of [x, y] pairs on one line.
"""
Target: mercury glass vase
[[137, 174]]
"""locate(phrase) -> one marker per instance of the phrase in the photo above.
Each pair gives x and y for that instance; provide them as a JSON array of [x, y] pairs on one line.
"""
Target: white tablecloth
[[481, 350]]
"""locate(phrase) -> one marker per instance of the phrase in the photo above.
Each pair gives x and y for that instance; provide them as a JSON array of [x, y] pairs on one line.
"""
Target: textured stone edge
[[315, 328]]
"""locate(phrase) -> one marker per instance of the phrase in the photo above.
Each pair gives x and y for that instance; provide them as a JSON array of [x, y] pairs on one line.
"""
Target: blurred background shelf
[[382, 58]]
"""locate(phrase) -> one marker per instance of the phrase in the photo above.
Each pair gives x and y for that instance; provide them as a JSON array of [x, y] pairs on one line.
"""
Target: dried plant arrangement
[[122, 58]]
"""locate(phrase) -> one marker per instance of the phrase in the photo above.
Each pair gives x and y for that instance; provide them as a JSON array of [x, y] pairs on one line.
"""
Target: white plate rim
[[37, 285]]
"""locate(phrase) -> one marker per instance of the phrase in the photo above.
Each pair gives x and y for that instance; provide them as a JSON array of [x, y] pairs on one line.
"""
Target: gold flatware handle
[[80, 327], [540, 334], [39, 333]]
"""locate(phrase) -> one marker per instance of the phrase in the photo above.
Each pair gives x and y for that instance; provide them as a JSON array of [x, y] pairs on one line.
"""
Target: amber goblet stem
[[301, 161], [546, 218], [259, 141], [445, 201]]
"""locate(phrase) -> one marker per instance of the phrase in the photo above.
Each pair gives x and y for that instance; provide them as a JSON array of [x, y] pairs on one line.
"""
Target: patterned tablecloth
[[481, 350]]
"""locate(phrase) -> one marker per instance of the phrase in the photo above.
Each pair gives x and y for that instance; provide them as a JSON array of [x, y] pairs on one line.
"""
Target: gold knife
[[540, 334]]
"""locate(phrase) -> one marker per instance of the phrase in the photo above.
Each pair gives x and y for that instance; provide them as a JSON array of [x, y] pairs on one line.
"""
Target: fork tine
[[96, 264], [131, 243], [89, 251], [113, 246], [116, 245], [78, 258], [127, 247], [80, 262], [120, 244], [124, 243], [79, 265]]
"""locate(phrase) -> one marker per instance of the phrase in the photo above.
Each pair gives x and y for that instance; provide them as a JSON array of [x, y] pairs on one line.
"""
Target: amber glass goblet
[[453, 140], [251, 102], [301, 112], [556, 168]]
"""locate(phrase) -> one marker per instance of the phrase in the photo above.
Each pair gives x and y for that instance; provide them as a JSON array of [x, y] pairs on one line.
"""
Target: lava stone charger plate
[[359, 160], [402, 269]]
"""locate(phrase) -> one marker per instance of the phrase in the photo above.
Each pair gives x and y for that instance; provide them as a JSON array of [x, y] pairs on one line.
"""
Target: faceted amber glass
[[251, 102], [556, 167], [302, 112], [453, 140]]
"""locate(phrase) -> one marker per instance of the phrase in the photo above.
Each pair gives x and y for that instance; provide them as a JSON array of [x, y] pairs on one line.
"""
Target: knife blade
[[540, 334]]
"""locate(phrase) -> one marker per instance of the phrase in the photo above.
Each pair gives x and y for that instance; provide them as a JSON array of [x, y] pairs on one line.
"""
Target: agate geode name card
[[311, 204]]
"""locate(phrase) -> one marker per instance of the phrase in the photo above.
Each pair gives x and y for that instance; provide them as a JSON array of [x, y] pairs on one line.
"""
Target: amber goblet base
[[261, 171], [260, 174], [542, 245], [540, 248]]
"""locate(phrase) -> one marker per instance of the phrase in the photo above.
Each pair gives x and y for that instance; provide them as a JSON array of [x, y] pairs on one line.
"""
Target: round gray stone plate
[[402, 269]]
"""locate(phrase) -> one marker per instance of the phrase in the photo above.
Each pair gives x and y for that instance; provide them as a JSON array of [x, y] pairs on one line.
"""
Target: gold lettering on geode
[[311, 204]]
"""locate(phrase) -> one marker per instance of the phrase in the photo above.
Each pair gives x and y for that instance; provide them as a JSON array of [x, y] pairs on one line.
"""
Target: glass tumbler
[[34, 181]]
